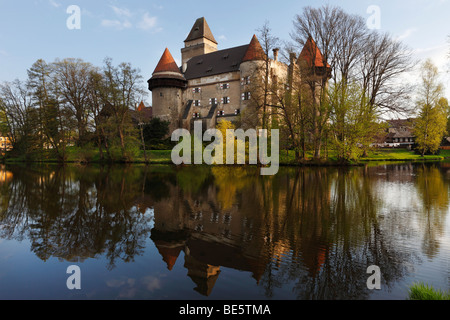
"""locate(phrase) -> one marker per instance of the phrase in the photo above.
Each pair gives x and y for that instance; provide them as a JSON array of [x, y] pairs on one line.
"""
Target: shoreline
[[287, 159]]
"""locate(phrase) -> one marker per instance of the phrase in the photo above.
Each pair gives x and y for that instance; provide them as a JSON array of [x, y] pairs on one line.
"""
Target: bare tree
[[354, 54], [17, 107], [383, 63], [72, 77], [269, 43]]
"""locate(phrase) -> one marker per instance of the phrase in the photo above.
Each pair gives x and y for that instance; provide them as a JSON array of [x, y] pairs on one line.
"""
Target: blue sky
[[138, 31]]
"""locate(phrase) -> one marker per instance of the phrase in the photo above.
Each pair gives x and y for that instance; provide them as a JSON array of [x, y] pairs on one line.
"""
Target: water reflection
[[311, 232]]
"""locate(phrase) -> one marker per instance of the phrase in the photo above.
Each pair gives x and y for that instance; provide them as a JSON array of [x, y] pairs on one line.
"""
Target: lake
[[214, 233]]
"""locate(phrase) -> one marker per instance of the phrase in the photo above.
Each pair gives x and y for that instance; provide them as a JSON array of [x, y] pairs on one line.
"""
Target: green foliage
[[155, 134], [430, 125], [129, 153], [421, 291], [354, 122], [85, 154]]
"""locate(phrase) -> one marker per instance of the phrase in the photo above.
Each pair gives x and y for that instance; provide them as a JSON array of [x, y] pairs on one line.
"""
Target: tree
[[54, 122], [72, 78], [19, 121], [430, 125], [155, 132], [122, 90], [356, 55], [353, 123], [269, 43], [95, 90]]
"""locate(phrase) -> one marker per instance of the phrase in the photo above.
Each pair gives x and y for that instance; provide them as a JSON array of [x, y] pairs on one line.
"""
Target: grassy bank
[[287, 158], [403, 155], [420, 291]]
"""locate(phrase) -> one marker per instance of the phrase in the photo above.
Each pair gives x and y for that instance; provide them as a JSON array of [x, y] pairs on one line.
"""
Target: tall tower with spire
[[199, 41]]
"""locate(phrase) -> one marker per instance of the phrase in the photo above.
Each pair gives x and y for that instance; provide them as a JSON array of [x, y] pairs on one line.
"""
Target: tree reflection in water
[[314, 230]]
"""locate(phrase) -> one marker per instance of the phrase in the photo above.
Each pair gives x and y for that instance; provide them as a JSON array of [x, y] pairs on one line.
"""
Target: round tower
[[167, 85]]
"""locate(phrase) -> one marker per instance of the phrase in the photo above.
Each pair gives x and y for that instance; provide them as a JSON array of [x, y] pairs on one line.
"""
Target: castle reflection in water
[[314, 229]]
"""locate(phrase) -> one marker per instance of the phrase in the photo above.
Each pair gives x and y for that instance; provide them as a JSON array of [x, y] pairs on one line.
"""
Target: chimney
[[292, 57], [275, 54]]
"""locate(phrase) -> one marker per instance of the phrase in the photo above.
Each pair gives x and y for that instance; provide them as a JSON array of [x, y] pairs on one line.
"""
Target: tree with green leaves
[[353, 122], [122, 89], [155, 133], [432, 111]]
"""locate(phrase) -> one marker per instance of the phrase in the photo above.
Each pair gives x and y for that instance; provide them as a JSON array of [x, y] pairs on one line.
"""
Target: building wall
[[217, 87], [196, 48], [167, 105], [5, 145]]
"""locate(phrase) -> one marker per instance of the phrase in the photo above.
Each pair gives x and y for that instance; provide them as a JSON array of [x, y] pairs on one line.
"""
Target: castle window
[[161, 94], [197, 90], [237, 112], [224, 86], [196, 115], [246, 96], [197, 103], [225, 100], [245, 80], [213, 101], [220, 113]]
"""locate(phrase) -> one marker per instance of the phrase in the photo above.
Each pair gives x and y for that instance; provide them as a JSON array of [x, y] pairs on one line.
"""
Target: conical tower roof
[[167, 73], [254, 51], [200, 30], [311, 54], [167, 63]]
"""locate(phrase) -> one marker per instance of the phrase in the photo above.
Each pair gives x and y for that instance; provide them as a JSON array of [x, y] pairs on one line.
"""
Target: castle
[[213, 84]]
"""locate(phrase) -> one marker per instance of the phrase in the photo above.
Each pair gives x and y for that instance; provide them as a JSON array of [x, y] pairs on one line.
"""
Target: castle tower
[[199, 41], [314, 68], [167, 85], [311, 57]]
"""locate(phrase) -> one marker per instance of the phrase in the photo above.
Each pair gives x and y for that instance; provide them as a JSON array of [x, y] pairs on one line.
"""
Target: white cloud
[[122, 12], [55, 4], [120, 25], [3, 53], [406, 34], [147, 22]]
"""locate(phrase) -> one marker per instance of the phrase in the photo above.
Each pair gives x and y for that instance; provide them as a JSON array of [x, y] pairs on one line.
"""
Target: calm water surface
[[163, 232]]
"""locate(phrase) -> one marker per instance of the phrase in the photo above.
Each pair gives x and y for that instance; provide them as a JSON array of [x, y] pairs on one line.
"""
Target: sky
[[138, 31]]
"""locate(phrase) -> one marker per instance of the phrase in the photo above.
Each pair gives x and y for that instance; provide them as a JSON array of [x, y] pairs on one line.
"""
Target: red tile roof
[[254, 51], [312, 52], [141, 106], [167, 63]]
